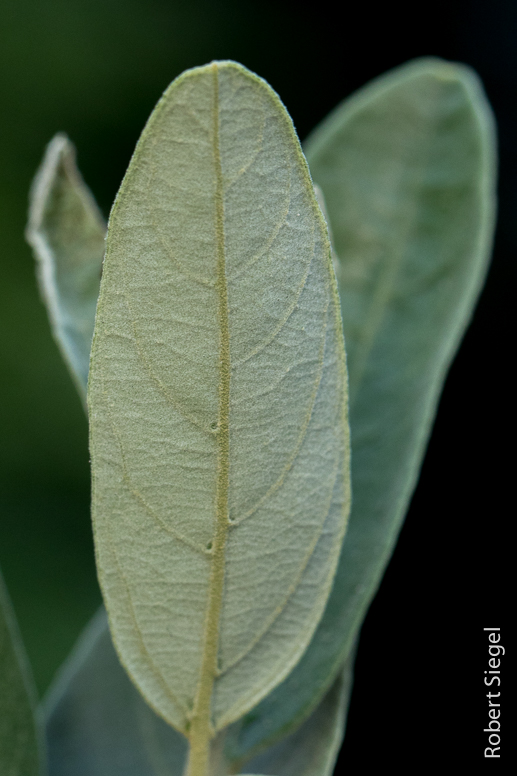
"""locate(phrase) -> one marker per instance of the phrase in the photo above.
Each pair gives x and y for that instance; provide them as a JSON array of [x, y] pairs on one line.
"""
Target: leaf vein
[[271, 239], [185, 414], [143, 648], [136, 493], [296, 582], [281, 479], [290, 310]]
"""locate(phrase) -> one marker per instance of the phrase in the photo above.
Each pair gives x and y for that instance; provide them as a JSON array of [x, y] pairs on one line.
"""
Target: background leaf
[[19, 735], [313, 748], [407, 167], [66, 231], [98, 724], [217, 263]]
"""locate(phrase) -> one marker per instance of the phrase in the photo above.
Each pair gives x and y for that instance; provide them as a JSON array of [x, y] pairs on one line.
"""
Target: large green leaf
[[99, 725], [66, 231], [217, 401], [19, 735], [407, 167]]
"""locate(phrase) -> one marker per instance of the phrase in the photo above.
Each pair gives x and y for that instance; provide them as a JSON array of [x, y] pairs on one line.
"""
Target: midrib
[[201, 731]]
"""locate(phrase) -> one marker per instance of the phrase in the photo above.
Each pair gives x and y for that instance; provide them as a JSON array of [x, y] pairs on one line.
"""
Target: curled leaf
[[66, 231]]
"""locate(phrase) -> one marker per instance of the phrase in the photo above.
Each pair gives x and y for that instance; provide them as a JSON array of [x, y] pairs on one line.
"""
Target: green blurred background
[[95, 69]]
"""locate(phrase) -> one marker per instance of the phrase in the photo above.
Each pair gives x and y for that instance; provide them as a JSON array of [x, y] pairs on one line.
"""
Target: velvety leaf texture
[[407, 168], [217, 401], [19, 737], [66, 231], [98, 724]]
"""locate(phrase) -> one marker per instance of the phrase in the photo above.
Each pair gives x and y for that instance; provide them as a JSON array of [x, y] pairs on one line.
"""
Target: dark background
[[95, 69]]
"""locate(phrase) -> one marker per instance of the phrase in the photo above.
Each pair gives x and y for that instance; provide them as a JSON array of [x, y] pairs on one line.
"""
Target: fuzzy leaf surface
[[98, 724], [217, 403], [19, 736], [66, 231], [407, 168]]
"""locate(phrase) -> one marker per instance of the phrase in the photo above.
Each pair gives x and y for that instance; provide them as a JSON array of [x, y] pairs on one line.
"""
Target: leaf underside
[[407, 169], [98, 724], [217, 401]]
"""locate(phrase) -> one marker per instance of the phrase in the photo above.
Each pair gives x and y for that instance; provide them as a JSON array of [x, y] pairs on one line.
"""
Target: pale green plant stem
[[201, 731]]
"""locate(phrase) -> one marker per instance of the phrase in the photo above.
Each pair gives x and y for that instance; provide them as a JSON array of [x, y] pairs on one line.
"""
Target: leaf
[[313, 748], [19, 735], [407, 167], [98, 723], [66, 231], [323, 207], [217, 401]]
